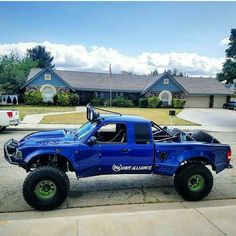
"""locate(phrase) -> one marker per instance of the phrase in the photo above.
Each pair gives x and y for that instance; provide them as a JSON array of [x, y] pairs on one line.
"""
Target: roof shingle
[[133, 83]]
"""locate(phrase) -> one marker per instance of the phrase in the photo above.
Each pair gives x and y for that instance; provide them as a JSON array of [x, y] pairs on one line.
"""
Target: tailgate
[[14, 118]]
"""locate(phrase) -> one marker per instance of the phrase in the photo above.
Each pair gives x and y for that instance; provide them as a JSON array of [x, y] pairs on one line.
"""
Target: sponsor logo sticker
[[117, 168]]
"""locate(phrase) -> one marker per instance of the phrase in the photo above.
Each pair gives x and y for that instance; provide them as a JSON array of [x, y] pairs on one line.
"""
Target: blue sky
[[130, 28]]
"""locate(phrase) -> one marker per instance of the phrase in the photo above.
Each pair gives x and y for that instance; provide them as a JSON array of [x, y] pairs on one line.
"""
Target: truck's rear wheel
[[193, 181], [45, 188]]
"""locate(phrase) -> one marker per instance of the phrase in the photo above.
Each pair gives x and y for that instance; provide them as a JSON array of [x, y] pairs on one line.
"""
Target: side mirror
[[92, 141]]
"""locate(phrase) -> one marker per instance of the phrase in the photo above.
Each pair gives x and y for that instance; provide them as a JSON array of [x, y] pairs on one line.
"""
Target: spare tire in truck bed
[[202, 136]]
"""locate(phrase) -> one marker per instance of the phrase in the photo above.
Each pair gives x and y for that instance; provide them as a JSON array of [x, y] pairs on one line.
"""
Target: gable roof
[[35, 72], [99, 81], [91, 81], [157, 78], [201, 86]]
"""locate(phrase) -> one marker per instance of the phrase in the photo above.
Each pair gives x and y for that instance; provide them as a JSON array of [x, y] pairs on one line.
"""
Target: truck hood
[[48, 137]]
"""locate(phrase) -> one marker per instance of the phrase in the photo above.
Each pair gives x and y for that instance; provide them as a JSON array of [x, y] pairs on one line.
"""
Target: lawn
[[29, 110], [160, 116]]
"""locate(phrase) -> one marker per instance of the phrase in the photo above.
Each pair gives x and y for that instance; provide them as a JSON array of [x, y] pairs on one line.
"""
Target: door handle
[[125, 150]]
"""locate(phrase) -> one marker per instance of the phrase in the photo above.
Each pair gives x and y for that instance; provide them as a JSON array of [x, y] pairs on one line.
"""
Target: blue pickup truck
[[115, 144]]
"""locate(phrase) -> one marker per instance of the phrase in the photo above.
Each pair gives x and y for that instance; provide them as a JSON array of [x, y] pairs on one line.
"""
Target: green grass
[[160, 116], [29, 110]]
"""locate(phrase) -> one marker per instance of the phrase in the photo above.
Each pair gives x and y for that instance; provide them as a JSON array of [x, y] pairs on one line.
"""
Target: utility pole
[[110, 85]]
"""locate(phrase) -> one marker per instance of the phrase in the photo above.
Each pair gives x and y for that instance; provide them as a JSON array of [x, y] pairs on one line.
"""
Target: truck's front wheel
[[45, 188], [193, 181]]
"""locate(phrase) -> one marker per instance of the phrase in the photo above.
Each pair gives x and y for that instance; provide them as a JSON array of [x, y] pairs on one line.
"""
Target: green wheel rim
[[196, 183], [45, 189]]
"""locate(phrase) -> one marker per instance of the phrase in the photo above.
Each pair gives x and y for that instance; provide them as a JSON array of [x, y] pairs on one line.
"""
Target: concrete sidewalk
[[194, 218]]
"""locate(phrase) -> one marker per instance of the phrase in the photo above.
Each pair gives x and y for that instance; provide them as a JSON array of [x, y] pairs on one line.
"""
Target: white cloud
[[224, 41], [77, 57]]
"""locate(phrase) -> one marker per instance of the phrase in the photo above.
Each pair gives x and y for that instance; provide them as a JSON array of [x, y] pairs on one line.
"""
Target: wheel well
[[53, 160], [201, 160]]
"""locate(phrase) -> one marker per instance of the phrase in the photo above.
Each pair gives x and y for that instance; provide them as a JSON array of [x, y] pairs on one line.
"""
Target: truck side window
[[142, 134], [112, 133]]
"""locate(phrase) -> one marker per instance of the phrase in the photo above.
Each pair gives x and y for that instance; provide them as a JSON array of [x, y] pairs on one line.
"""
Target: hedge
[[178, 103], [33, 98]]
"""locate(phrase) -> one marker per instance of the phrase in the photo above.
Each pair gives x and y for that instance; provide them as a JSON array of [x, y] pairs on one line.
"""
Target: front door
[[116, 154]]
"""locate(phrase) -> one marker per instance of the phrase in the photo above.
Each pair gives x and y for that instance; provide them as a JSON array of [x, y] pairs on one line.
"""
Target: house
[[198, 92]]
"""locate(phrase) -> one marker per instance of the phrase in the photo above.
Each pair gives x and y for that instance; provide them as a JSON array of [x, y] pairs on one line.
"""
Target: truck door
[[116, 153], [143, 148]]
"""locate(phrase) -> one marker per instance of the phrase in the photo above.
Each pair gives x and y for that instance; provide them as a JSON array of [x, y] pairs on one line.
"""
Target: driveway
[[209, 117]]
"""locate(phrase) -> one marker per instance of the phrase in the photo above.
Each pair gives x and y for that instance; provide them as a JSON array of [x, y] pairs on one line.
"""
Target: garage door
[[219, 101], [201, 102]]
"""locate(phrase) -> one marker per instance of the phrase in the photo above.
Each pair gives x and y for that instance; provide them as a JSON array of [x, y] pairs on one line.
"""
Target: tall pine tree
[[229, 67], [41, 56]]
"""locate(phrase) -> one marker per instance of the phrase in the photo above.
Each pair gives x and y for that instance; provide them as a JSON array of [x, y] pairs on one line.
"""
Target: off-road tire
[[202, 136], [46, 174], [185, 174]]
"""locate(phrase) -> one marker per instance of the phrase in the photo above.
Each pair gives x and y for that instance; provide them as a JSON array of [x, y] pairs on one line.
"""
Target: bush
[[61, 99], [74, 99], [33, 98], [178, 103], [143, 102], [97, 102], [122, 102], [154, 102]]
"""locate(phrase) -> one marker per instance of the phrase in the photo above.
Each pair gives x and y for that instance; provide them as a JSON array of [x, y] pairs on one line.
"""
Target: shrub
[[178, 103], [122, 102], [143, 102], [33, 98], [97, 101], [74, 99], [154, 102], [61, 99]]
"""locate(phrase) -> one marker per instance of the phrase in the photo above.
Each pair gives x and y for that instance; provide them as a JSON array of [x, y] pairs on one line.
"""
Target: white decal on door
[[117, 168]]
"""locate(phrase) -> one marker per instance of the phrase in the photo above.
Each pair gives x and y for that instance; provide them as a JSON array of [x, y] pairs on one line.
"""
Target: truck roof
[[124, 118]]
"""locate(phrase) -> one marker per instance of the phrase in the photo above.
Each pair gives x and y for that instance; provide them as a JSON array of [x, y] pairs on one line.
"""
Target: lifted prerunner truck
[[115, 144]]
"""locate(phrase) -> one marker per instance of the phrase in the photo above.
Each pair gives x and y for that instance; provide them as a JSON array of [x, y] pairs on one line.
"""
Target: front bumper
[[10, 151]]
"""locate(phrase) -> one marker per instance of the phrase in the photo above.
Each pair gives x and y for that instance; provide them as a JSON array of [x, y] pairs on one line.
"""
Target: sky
[[131, 36]]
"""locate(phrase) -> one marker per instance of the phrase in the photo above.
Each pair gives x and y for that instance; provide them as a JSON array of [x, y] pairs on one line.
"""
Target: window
[[166, 81], [47, 77], [166, 97], [142, 134], [112, 133], [47, 93]]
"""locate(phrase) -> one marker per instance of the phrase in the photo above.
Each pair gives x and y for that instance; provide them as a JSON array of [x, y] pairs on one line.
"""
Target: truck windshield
[[85, 129]]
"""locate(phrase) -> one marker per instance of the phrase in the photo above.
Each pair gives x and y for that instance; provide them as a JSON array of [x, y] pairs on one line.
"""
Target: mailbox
[[171, 112]]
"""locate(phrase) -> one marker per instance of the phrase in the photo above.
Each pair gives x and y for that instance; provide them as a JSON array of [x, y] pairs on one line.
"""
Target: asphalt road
[[110, 190], [209, 117]]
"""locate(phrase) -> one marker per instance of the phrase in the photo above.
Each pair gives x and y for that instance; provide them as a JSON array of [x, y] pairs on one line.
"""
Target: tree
[[41, 56], [154, 73], [229, 67], [231, 50], [175, 72], [14, 72]]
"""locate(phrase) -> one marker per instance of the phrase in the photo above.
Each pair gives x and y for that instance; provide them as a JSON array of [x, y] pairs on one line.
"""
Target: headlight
[[18, 154]]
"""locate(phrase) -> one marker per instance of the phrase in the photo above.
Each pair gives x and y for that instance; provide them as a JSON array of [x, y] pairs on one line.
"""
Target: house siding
[[40, 81], [160, 86]]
